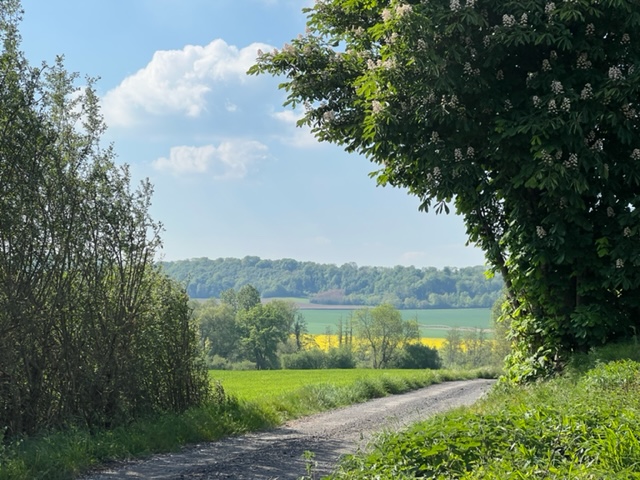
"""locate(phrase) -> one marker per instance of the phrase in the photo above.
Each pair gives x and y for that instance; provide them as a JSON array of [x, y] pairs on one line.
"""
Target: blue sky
[[233, 175]]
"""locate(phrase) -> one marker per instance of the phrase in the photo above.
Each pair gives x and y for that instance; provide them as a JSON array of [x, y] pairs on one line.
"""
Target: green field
[[262, 384], [433, 323]]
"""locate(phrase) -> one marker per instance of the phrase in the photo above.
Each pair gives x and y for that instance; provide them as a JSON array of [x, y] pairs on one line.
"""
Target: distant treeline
[[348, 284]]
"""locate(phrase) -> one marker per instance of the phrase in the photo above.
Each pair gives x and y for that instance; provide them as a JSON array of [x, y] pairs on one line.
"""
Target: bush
[[340, 357], [312, 359], [418, 356]]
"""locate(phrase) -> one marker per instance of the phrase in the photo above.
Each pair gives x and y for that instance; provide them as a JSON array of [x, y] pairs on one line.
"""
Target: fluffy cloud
[[177, 81], [229, 160]]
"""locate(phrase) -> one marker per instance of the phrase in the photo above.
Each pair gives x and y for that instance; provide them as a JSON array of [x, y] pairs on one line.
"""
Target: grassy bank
[[582, 425], [65, 455]]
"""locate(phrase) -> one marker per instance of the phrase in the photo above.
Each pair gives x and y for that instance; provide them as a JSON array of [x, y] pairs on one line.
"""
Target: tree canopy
[[348, 284], [522, 115]]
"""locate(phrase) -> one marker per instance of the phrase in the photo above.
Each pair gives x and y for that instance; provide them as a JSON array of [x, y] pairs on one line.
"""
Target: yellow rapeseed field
[[324, 342]]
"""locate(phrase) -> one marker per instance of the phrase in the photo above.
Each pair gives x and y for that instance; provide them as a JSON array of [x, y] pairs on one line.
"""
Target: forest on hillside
[[348, 284]]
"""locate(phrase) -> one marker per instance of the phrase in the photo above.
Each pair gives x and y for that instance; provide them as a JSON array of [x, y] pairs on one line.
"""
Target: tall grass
[[583, 425], [65, 455]]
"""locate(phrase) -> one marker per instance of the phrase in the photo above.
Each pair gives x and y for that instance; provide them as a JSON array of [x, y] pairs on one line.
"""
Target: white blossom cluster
[[470, 71], [615, 73], [508, 105], [552, 107], [594, 143], [376, 107], [508, 20], [626, 39], [457, 154], [471, 153], [553, 55], [565, 106], [524, 19], [329, 116], [541, 232], [583, 62], [628, 111], [556, 87], [455, 6], [587, 92], [635, 155], [546, 65], [590, 29], [619, 263], [546, 157], [486, 40], [626, 232], [572, 161], [403, 9], [435, 137], [549, 8], [450, 103], [536, 101], [386, 64]]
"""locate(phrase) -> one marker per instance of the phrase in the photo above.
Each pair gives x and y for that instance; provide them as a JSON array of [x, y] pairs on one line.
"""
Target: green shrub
[[340, 357], [311, 359], [417, 356]]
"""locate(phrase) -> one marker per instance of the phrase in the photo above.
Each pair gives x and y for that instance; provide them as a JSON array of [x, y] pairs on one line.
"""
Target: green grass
[[318, 320], [256, 385], [65, 455], [582, 425]]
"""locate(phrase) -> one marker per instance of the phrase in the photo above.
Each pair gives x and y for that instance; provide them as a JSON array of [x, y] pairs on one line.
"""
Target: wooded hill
[[348, 284]]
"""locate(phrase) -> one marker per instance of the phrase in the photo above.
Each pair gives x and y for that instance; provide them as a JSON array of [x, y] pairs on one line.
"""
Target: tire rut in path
[[278, 453]]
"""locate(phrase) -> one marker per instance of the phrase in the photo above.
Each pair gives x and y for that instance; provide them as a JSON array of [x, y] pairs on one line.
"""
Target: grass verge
[[66, 455], [582, 425]]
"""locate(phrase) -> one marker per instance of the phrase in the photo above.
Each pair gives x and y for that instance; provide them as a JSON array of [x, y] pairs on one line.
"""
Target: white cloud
[[230, 107], [300, 137], [177, 81], [229, 160]]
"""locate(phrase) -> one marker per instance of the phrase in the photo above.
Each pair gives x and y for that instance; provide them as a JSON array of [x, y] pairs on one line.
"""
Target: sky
[[233, 175]]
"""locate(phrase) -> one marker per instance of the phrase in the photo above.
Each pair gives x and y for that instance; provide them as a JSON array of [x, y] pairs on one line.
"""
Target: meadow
[[260, 385]]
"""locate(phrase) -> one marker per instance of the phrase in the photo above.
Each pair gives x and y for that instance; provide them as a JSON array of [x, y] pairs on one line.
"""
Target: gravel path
[[278, 453]]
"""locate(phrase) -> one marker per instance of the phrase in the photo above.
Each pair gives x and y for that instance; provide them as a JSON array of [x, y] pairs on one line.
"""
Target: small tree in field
[[383, 332], [523, 115]]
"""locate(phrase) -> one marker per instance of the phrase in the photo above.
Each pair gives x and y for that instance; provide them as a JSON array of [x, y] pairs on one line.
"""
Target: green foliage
[[348, 284], [240, 328], [314, 358], [472, 349], [382, 331], [559, 429], [416, 356], [92, 333], [523, 115]]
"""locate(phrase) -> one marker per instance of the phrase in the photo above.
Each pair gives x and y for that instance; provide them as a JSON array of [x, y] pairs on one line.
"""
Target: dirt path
[[278, 453]]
